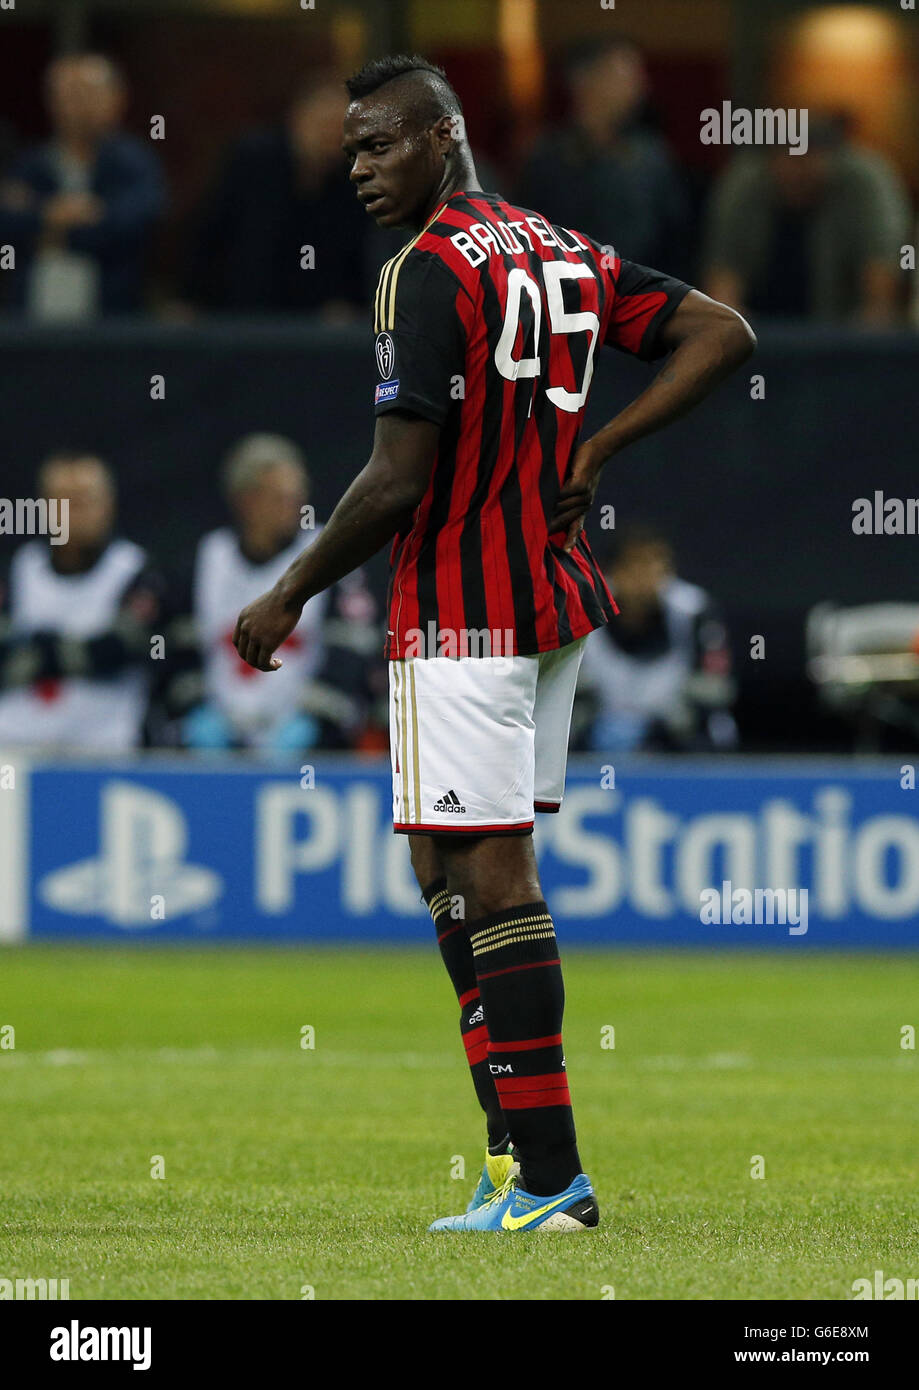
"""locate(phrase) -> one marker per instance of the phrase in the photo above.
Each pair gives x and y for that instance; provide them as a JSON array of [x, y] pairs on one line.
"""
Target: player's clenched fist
[[262, 627]]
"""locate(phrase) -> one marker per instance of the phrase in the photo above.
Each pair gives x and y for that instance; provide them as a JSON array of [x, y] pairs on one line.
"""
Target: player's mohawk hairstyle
[[375, 74]]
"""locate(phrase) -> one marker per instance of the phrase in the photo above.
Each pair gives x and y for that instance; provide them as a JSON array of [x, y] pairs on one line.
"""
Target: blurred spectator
[[658, 676], [78, 617], [320, 696], [281, 190], [80, 209], [813, 235], [604, 173]]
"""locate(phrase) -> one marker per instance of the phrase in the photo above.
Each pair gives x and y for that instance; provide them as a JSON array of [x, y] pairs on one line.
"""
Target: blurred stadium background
[[184, 354]]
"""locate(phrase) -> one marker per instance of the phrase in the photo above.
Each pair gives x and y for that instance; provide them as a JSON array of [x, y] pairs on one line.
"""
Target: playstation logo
[[143, 838]]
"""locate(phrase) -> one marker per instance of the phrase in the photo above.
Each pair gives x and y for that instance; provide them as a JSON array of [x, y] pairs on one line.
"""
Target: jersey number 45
[[520, 282]]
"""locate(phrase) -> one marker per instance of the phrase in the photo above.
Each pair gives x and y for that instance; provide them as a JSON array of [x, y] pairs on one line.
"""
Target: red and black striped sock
[[520, 982], [453, 940]]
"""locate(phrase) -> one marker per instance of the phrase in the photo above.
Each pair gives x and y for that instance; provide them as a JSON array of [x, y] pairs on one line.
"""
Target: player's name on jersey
[[36, 516], [484, 239]]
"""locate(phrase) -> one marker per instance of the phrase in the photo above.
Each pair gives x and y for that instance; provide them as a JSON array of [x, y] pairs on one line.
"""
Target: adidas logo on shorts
[[450, 802]]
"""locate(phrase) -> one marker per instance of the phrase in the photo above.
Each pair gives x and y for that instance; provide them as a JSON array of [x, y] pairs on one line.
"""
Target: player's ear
[[444, 133]]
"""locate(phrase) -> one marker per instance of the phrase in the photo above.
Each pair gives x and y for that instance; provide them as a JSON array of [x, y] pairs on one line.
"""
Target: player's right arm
[[378, 503], [706, 341], [419, 351]]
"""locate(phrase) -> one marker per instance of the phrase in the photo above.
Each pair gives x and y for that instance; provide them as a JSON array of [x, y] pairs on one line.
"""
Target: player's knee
[[426, 859], [491, 873]]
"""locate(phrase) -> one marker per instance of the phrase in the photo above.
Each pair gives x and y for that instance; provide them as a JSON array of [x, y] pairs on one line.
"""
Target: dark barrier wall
[[756, 494]]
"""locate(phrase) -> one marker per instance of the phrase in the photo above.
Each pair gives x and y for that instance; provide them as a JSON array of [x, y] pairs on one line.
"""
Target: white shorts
[[480, 743]]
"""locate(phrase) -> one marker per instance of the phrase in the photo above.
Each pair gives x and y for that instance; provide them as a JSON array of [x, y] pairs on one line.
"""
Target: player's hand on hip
[[262, 627], [576, 496]]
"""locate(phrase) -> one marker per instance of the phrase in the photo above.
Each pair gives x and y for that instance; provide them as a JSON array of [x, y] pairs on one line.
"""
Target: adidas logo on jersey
[[477, 1017], [450, 802]]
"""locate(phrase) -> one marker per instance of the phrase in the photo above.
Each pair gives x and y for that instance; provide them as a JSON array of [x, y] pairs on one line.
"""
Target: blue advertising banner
[[654, 853]]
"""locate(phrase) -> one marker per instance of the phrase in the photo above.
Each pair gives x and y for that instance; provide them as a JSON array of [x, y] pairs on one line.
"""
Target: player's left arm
[[707, 341], [378, 503]]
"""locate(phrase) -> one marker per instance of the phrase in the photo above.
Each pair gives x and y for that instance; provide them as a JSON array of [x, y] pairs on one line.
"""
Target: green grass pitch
[[289, 1168]]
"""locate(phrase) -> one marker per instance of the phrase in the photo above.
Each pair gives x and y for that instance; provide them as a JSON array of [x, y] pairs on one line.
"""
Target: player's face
[[395, 166]]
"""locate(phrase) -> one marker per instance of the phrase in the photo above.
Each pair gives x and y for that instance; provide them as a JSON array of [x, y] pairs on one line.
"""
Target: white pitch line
[[616, 1062]]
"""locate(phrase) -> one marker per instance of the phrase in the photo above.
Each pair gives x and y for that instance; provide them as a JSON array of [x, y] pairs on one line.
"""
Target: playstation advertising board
[[744, 853]]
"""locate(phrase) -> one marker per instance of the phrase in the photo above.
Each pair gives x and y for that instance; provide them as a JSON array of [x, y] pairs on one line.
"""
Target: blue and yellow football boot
[[498, 1168], [512, 1209]]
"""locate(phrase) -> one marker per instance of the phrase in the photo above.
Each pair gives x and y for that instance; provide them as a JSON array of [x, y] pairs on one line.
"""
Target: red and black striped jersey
[[487, 323]]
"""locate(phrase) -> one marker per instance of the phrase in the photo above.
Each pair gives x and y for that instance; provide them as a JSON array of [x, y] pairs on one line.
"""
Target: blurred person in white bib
[[319, 698], [79, 612], [659, 679]]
